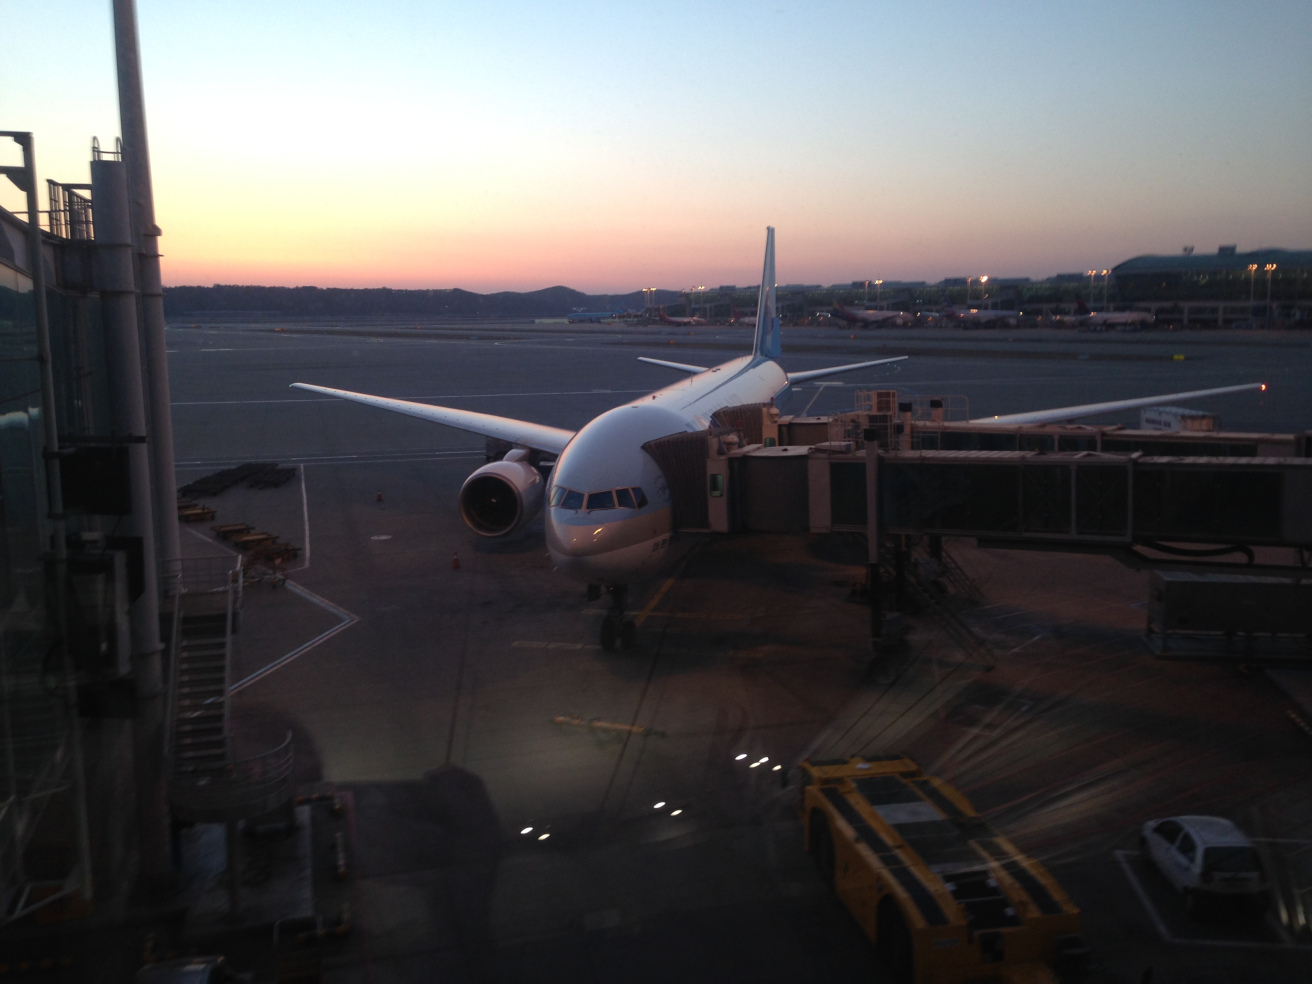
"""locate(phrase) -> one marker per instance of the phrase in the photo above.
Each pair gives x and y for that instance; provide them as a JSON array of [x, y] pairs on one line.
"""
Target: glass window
[[1167, 830], [572, 500], [558, 495], [1231, 859], [639, 497], [624, 497], [717, 485], [601, 500]]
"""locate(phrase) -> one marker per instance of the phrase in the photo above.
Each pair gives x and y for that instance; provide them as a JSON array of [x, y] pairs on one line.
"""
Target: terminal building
[[1254, 288]]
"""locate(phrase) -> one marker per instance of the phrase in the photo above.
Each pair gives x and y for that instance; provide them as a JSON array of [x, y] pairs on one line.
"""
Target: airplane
[[608, 506], [858, 316], [980, 317], [593, 317], [742, 319], [1086, 320], [694, 320]]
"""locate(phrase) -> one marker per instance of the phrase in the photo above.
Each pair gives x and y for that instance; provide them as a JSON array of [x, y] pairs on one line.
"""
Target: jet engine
[[503, 496]]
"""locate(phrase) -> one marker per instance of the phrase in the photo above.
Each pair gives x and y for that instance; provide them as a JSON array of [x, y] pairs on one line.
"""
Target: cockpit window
[[566, 498]]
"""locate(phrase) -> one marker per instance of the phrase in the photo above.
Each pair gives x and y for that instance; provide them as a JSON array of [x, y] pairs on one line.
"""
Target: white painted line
[[347, 620], [1151, 909], [1124, 856], [305, 517], [213, 543]]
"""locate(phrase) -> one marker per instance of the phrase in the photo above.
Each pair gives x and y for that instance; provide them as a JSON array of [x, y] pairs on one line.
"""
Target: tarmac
[[486, 841]]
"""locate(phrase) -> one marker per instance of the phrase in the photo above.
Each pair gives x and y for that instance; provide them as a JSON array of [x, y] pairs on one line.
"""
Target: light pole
[[866, 301], [1270, 269], [1092, 274], [1106, 288], [1252, 274], [879, 293]]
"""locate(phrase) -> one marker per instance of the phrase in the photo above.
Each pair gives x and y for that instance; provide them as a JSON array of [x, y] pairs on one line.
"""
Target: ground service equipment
[[944, 897]]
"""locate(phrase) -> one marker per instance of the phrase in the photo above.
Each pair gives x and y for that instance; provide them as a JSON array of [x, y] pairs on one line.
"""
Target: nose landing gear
[[616, 630]]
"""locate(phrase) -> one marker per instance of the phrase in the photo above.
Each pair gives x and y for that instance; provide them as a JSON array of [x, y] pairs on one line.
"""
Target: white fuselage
[[622, 544]]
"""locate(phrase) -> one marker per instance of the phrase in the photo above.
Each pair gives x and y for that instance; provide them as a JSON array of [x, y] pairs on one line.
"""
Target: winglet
[[767, 317]]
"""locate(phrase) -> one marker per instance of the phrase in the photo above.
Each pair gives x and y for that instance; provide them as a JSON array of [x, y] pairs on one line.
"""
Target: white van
[[1205, 858]]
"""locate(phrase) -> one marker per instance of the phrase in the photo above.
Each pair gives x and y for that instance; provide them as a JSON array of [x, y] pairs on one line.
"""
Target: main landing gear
[[616, 630]]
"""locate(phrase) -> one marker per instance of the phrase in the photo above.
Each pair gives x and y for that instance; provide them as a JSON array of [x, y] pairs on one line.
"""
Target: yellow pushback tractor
[[944, 897]]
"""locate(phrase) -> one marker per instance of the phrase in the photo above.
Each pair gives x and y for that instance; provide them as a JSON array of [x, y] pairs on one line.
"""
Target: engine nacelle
[[503, 496]]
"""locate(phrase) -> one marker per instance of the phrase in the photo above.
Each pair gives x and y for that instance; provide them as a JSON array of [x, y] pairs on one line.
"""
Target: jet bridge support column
[[872, 538]]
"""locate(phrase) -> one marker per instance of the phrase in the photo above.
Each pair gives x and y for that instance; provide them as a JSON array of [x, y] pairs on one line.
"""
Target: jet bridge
[[1066, 488]]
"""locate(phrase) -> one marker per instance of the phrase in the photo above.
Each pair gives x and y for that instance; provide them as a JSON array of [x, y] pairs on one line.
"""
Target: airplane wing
[[801, 377], [682, 367], [1092, 409], [539, 437]]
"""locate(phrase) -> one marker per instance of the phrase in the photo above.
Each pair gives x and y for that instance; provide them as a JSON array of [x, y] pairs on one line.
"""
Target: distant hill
[[343, 302]]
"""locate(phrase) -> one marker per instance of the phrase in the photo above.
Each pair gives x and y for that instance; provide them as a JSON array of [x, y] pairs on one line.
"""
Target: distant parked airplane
[[593, 317], [980, 317], [1086, 320], [867, 318], [742, 319], [694, 320]]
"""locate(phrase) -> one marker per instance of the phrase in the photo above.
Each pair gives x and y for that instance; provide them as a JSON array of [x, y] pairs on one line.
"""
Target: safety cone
[[380, 496], [455, 561]]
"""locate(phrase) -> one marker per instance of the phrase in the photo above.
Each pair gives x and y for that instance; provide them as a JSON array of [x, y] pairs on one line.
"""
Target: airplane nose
[[577, 539]]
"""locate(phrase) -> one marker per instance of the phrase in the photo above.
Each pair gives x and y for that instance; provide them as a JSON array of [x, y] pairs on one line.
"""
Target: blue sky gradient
[[611, 147]]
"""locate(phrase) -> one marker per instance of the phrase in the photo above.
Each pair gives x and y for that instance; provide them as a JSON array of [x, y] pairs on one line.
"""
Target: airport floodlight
[[984, 279], [1270, 268]]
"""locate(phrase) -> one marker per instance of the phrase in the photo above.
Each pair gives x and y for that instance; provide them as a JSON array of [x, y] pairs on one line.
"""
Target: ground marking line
[[305, 515], [656, 600], [347, 620], [213, 543], [1122, 856]]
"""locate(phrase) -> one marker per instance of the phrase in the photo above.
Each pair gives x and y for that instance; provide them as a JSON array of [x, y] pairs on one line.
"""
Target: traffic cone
[[380, 496], [455, 561]]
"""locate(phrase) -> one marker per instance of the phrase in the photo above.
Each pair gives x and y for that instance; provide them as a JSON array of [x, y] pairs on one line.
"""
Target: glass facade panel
[[22, 480]]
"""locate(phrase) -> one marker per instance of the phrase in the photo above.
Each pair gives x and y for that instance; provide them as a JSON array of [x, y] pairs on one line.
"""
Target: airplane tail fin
[[767, 316]]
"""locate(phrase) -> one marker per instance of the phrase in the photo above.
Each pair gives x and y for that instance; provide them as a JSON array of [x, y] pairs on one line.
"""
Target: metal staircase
[[206, 783], [199, 740]]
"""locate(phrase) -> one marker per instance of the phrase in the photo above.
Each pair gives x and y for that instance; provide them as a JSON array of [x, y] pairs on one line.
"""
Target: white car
[[1206, 859]]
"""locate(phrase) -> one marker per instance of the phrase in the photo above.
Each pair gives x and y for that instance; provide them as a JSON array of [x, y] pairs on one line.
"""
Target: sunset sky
[[611, 146]]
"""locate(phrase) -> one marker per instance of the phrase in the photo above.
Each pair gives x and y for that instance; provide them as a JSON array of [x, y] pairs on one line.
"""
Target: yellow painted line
[[657, 599]]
